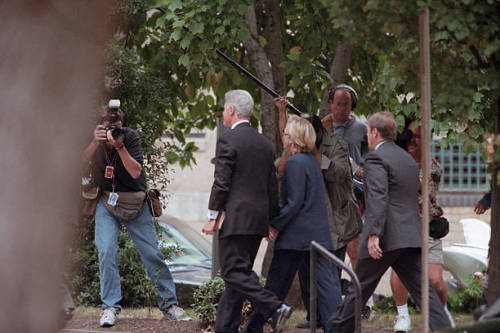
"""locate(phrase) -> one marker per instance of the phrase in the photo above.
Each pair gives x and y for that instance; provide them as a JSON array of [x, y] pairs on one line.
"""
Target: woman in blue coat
[[302, 218]]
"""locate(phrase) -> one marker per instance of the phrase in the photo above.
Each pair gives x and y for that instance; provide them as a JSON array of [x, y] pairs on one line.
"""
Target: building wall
[[189, 188]]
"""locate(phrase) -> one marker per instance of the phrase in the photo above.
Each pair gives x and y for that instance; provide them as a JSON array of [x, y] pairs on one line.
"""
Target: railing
[[313, 298]]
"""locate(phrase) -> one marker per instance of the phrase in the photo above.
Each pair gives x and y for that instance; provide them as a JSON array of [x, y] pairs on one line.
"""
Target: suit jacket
[[245, 185], [390, 189], [303, 215]]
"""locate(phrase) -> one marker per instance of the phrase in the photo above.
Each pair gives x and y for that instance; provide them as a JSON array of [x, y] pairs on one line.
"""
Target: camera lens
[[117, 133]]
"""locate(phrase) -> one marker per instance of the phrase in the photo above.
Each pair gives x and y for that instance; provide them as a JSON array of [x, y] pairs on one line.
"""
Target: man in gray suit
[[391, 234]]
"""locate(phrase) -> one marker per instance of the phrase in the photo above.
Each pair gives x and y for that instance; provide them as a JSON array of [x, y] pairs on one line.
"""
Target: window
[[461, 172]]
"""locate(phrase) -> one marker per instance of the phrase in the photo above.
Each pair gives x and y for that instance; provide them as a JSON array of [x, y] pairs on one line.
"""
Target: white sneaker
[[175, 312], [403, 323], [108, 317], [448, 314]]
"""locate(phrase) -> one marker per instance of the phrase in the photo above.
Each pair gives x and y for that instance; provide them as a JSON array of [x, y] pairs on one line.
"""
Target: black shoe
[[280, 316], [366, 312], [306, 325], [251, 329], [343, 327]]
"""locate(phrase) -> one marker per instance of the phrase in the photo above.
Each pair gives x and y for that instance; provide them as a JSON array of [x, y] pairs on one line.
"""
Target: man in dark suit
[[245, 189], [391, 234]]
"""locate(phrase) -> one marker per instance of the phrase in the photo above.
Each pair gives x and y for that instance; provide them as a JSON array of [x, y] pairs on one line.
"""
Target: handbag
[[439, 227], [90, 196], [154, 202], [128, 206]]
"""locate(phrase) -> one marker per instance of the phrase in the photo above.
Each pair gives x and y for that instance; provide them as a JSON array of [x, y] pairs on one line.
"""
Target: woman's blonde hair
[[301, 134]]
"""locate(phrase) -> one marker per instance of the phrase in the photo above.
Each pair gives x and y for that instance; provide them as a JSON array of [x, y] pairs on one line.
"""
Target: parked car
[[464, 260], [191, 262]]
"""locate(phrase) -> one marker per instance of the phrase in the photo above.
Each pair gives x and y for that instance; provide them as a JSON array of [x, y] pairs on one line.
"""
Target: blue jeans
[[143, 233]]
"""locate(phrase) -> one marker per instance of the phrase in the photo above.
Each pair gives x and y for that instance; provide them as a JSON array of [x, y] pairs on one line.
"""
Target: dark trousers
[[406, 263], [304, 280], [237, 255], [284, 266]]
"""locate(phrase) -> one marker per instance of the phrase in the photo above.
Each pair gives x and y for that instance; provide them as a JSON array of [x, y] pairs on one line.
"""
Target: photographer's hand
[[114, 143], [100, 133], [131, 165], [99, 136]]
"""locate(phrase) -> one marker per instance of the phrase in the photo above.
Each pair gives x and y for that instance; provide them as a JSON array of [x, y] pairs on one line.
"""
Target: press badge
[[108, 173], [113, 198]]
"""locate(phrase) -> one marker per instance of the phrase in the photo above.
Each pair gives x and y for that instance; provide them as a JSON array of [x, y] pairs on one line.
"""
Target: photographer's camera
[[113, 117]]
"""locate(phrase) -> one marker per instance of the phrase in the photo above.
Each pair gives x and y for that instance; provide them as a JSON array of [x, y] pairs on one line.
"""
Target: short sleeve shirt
[[106, 156]]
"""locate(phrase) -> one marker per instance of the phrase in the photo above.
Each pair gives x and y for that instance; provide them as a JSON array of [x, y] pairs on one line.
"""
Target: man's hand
[[100, 133], [272, 234], [112, 141], [359, 173], [479, 209], [373, 247], [208, 228]]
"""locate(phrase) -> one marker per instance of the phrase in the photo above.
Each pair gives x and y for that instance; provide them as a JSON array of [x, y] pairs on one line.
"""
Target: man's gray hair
[[242, 102]]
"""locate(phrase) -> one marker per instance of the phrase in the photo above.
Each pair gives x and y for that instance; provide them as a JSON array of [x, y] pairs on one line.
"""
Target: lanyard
[[112, 165]]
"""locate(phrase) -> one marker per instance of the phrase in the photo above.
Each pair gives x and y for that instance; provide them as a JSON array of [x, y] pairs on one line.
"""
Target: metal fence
[[313, 297]]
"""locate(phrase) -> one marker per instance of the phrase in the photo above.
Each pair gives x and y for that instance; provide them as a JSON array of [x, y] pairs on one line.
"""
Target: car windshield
[[188, 251]]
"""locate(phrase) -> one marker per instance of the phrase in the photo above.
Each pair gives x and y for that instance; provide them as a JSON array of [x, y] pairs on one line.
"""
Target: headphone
[[352, 92]]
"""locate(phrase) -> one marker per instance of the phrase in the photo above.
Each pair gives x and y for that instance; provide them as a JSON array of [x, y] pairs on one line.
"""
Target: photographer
[[116, 156]]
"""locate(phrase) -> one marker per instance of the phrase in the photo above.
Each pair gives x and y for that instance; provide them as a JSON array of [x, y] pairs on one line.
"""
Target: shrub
[[468, 299], [465, 301], [387, 305], [206, 298]]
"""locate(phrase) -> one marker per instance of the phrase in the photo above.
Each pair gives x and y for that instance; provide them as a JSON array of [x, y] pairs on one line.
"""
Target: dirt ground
[[91, 324], [142, 320]]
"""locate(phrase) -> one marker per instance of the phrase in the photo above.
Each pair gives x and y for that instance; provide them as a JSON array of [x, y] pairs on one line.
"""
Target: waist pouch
[[128, 206]]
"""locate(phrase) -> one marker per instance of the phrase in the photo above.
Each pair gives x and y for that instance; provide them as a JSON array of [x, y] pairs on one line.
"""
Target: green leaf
[[179, 24], [219, 30], [176, 35], [184, 60], [475, 131], [477, 97], [241, 9], [185, 42], [171, 157], [210, 100], [197, 28], [492, 47], [175, 4], [160, 22]]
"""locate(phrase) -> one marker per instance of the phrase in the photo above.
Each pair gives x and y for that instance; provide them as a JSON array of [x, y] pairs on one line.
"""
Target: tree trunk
[[493, 291], [273, 28], [338, 72], [260, 63]]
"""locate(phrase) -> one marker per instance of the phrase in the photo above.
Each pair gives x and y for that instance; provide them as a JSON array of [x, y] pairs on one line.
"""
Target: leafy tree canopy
[[165, 69]]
